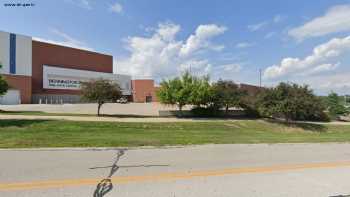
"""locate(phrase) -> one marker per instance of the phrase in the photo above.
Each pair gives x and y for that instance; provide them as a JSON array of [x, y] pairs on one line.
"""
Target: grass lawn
[[54, 133]]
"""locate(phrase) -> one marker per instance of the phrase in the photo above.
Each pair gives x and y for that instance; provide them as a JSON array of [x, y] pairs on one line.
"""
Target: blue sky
[[292, 40]]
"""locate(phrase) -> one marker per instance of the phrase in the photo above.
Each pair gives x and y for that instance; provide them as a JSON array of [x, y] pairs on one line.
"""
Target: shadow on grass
[[314, 127], [19, 123]]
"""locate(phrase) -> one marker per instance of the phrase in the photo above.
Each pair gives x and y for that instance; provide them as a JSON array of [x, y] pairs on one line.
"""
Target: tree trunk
[[99, 108], [180, 110], [287, 118], [226, 110]]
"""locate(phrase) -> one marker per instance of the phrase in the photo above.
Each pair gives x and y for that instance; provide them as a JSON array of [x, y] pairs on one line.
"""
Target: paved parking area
[[141, 109]]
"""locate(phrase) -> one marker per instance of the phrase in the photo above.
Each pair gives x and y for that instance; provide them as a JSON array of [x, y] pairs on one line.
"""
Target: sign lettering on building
[[64, 83]]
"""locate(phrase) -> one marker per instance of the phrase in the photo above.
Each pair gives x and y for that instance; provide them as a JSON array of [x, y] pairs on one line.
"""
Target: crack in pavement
[[106, 185]]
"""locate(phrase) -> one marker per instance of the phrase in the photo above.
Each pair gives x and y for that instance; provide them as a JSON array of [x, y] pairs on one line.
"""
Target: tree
[[3, 84], [335, 106], [291, 102], [201, 94], [227, 94], [176, 91], [100, 91]]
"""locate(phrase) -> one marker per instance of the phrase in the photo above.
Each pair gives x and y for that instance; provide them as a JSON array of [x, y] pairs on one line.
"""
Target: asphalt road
[[206, 171]]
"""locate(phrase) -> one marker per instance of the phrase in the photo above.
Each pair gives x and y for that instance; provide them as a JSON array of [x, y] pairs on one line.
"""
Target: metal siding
[[4, 52], [23, 55], [13, 53]]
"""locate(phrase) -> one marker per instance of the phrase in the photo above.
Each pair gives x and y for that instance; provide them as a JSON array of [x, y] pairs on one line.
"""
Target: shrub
[[291, 102]]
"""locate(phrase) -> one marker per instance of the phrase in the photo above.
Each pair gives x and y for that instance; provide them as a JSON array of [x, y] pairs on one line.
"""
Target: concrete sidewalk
[[101, 118], [139, 109]]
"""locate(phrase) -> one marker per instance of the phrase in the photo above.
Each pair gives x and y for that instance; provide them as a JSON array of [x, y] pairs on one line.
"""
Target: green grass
[[52, 133]]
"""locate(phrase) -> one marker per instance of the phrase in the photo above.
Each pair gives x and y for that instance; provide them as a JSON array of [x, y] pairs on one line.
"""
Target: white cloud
[[324, 84], [323, 58], [196, 67], [162, 55], [336, 19], [200, 39], [116, 8], [66, 40], [323, 68], [168, 31], [258, 26], [242, 45]]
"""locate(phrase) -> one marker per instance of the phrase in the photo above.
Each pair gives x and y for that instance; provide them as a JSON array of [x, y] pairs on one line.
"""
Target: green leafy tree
[[227, 94], [100, 91], [176, 91], [201, 94], [335, 106], [291, 102], [3, 84]]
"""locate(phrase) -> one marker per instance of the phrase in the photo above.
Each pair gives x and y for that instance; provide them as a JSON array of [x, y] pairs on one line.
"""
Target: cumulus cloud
[[323, 58], [324, 84], [161, 54], [66, 40], [336, 19], [116, 8], [200, 39]]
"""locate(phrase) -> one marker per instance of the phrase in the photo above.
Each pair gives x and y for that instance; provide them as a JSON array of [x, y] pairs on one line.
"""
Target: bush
[[291, 102], [335, 106], [206, 112]]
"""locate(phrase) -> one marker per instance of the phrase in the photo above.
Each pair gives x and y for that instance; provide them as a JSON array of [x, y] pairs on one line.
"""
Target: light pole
[[260, 80]]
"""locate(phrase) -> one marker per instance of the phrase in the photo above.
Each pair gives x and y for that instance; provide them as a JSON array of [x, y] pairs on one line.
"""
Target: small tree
[[176, 91], [335, 106], [227, 94], [100, 91], [201, 94], [3, 84], [292, 102]]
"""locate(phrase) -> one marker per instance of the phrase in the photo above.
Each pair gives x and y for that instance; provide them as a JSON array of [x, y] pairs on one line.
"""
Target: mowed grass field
[[55, 133]]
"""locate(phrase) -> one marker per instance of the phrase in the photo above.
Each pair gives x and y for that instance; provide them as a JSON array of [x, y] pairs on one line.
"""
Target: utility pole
[[260, 74]]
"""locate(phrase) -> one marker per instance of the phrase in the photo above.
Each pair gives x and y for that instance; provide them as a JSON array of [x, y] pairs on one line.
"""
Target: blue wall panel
[[13, 53]]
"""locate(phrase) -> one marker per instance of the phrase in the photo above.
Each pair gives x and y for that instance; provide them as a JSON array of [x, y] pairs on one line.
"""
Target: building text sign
[[64, 84]]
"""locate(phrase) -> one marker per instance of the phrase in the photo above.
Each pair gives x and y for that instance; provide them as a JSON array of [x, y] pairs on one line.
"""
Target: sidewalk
[[99, 119]]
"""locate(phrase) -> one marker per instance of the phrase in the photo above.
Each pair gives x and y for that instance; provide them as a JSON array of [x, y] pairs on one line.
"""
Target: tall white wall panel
[[23, 55], [4, 52]]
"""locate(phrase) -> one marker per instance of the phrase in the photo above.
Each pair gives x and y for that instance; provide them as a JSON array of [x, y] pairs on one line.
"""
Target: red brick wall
[[142, 88], [64, 57], [23, 84]]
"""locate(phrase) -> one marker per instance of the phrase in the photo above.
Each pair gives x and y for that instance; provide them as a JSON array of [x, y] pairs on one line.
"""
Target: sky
[[305, 42]]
